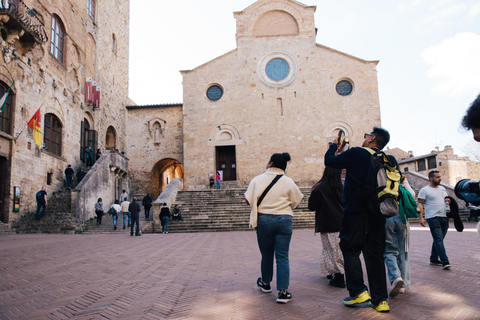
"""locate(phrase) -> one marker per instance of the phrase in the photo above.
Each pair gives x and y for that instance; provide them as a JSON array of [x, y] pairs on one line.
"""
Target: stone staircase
[[58, 217], [107, 225], [6, 229], [226, 210]]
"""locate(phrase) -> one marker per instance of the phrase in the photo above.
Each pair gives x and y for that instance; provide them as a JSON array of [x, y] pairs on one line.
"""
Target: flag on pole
[[3, 101], [88, 89], [36, 124]]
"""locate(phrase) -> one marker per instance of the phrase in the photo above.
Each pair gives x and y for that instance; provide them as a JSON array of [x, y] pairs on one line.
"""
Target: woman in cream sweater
[[272, 218]]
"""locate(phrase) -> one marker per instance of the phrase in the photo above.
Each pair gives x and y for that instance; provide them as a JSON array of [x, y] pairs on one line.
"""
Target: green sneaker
[[360, 298]]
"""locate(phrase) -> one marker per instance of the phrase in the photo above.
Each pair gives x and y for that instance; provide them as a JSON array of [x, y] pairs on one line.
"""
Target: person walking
[[116, 208], [126, 213], [99, 211], [123, 196], [217, 178], [98, 154], [69, 175], [147, 204], [80, 174], [433, 201], [41, 198], [164, 217], [134, 209], [326, 200], [89, 156], [361, 230], [272, 197], [397, 237]]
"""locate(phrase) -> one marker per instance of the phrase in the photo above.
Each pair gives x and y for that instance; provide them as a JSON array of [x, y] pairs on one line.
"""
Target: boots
[[338, 280]]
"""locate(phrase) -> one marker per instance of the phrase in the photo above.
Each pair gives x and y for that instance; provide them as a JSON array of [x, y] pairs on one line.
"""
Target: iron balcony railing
[[26, 17]]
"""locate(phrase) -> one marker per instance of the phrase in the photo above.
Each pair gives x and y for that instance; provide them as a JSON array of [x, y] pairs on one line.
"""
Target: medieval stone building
[[278, 91], [48, 50]]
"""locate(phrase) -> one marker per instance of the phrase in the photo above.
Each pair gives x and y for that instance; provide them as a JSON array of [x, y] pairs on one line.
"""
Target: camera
[[469, 191]]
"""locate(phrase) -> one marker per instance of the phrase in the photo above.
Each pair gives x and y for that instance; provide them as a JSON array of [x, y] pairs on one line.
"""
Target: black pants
[[135, 220], [99, 216], [364, 232], [147, 211]]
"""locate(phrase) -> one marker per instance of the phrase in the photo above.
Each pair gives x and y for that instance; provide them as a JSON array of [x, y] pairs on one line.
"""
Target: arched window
[[6, 115], [57, 39], [53, 134], [91, 9], [111, 139]]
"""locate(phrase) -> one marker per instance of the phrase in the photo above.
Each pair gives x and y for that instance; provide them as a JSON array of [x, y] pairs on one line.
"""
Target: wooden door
[[226, 162]]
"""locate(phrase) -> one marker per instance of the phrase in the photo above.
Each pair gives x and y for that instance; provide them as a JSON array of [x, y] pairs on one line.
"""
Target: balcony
[[20, 22]]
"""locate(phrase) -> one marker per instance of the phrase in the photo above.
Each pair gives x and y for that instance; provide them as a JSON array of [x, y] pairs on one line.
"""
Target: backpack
[[382, 187], [38, 196], [112, 211]]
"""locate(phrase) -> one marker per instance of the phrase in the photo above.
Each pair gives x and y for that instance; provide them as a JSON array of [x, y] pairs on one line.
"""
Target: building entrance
[[3, 167], [226, 162]]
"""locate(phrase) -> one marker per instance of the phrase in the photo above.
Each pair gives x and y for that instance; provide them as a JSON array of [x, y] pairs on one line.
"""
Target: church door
[[226, 162]]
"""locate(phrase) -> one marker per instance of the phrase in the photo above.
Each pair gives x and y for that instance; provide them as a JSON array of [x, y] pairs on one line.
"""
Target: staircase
[[57, 218], [226, 210], [107, 225]]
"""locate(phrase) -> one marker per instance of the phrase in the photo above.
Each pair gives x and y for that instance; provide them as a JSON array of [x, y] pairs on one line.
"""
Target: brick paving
[[212, 276]]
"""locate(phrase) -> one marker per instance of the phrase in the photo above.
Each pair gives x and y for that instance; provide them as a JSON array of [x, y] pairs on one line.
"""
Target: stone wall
[[59, 87], [155, 135]]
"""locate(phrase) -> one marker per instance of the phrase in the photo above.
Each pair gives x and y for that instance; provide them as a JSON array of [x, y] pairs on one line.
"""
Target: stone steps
[[226, 210], [107, 225]]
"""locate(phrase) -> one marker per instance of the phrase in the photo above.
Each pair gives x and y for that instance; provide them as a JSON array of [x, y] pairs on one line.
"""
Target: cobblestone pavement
[[212, 276]]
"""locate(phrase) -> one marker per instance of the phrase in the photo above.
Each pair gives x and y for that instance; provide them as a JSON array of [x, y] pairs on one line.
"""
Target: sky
[[429, 53]]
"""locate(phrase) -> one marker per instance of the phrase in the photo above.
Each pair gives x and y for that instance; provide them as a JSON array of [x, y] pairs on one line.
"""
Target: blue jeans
[[273, 235], [218, 184], [165, 223], [125, 214], [69, 180], [438, 229], [115, 218], [396, 249], [39, 214]]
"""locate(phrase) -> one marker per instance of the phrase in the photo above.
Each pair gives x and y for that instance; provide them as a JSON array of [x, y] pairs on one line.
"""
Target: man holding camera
[[432, 201]]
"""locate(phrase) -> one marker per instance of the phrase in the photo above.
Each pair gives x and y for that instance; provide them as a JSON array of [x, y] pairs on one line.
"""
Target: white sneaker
[[401, 290], [396, 285]]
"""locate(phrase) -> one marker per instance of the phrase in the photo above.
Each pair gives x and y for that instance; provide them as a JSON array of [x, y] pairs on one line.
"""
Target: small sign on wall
[[16, 199]]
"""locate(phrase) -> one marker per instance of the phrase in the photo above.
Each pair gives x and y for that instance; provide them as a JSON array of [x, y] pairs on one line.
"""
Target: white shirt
[[434, 205]]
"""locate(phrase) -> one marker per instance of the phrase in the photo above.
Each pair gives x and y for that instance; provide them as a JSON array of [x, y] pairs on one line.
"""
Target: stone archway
[[111, 139], [163, 172]]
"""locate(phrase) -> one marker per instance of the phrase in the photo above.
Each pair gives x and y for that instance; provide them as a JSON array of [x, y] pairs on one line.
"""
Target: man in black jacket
[[147, 204], [134, 209], [69, 175], [361, 231]]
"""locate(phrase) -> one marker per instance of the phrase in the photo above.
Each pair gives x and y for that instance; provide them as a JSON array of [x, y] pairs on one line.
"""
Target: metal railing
[[25, 16]]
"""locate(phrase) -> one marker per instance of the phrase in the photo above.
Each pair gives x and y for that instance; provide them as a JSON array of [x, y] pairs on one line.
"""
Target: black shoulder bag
[[268, 189]]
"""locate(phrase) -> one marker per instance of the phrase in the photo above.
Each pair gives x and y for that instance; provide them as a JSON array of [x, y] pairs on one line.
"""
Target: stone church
[[277, 91]]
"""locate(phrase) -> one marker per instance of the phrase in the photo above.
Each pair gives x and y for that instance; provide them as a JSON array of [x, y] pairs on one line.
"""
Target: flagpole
[[26, 124]]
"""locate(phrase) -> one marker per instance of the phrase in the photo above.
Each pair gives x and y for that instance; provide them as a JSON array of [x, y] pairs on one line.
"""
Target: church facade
[[278, 91]]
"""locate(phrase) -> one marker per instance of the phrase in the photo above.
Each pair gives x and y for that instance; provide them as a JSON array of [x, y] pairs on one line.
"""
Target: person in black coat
[[147, 204], [326, 200], [164, 217], [134, 209]]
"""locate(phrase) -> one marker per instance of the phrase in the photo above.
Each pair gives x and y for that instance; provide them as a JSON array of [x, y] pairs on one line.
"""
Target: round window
[[277, 69], [344, 88], [214, 93]]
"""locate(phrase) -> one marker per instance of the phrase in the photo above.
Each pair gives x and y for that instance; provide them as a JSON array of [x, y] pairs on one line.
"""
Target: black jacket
[[165, 212], [328, 209], [134, 207], [147, 201]]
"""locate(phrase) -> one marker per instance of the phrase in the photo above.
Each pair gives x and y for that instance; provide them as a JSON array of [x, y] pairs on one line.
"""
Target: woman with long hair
[[326, 200], [272, 197]]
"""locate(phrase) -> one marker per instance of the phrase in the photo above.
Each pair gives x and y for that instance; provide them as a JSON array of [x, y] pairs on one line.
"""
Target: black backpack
[[39, 196], [381, 190]]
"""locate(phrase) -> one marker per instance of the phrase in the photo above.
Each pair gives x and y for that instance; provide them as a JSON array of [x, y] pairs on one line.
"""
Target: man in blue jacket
[[362, 230]]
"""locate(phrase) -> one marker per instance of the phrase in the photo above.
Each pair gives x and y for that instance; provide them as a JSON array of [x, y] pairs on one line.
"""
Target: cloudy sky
[[429, 52]]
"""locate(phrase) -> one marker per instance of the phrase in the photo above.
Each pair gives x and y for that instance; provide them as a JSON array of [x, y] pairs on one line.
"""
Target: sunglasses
[[367, 134]]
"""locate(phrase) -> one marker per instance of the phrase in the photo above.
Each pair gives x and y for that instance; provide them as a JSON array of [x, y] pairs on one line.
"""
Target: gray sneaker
[[396, 285]]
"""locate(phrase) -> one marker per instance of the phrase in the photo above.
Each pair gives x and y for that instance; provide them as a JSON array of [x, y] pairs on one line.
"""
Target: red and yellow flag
[[36, 124]]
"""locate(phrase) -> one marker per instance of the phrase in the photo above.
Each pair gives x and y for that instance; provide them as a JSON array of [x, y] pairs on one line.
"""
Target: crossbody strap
[[268, 188]]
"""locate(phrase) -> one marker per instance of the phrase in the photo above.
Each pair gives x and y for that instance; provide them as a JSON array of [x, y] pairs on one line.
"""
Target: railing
[[26, 16]]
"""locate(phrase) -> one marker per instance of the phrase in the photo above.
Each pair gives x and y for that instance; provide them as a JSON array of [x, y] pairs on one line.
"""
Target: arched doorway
[[111, 139], [162, 174], [88, 138]]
